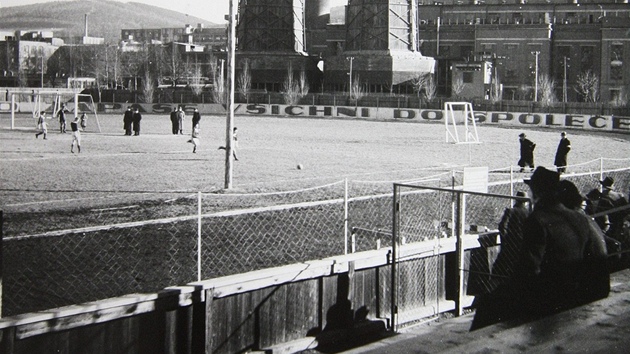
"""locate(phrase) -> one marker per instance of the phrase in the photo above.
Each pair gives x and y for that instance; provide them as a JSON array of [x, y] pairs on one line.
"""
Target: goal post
[[26, 107], [459, 116], [84, 103]]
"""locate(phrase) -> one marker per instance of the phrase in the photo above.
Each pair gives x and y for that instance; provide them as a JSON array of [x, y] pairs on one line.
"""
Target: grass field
[[38, 174]]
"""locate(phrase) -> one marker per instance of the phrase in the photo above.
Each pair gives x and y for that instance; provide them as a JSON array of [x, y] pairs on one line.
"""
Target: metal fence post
[[395, 228], [199, 236], [459, 249], [345, 219]]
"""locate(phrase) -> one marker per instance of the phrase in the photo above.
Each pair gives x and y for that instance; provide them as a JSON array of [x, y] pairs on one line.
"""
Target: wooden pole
[[230, 100]]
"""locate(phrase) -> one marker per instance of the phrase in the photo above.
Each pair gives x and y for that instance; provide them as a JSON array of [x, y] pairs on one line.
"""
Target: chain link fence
[[61, 257], [430, 216]]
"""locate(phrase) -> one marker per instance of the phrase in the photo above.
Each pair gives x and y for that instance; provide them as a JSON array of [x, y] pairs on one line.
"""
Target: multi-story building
[[388, 42], [561, 39], [194, 39], [24, 57]]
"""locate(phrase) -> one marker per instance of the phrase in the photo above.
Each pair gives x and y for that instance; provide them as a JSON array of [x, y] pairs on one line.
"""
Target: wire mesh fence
[[67, 256], [441, 217]]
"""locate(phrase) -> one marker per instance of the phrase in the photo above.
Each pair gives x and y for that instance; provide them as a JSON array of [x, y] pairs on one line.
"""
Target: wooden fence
[[330, 303]]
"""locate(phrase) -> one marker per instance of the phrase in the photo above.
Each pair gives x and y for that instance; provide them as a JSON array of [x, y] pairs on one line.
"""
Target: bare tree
[[197, 82], [496, 93], [523, 92], [290, 88], [245, 81], [587, 86], [303, 83], [425, 84], [546, 90], [148, 86], [218, 78], [621, 99], [357, 90], [457, 87]]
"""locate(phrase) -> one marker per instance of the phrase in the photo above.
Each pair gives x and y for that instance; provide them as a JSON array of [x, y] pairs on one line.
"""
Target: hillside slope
[[105, 18]]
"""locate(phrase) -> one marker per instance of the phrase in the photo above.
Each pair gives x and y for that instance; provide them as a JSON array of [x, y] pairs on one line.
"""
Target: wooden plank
[[209, 321]]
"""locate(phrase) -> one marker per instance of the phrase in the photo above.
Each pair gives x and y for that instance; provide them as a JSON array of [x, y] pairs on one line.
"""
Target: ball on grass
[[299, 166]]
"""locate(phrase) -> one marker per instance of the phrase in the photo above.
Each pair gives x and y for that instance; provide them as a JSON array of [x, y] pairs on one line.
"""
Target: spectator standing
[[137, 117], [127, 121], [76, 134], [527, 153], [612, 199], [593, 199], [511, 233], [62, 119], [180, 119], [174, 121], [196, 118], [42, 125], [561, 153]]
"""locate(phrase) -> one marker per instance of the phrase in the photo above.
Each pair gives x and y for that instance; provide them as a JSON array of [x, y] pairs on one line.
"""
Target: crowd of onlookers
[[558, 252]]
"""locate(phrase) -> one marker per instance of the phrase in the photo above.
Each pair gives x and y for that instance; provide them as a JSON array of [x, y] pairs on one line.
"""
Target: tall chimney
[[86, 26]]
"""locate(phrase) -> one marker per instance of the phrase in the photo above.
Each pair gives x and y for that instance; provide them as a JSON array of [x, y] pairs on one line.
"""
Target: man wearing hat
[[611, 199], [561, 153], [550, 275], [527, 152], [511, 232]]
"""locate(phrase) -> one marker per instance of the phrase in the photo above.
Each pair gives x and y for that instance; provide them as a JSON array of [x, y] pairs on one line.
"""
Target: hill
[[105, 18]]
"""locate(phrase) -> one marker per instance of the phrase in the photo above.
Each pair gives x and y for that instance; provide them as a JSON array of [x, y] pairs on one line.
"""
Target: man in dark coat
[[555, 269], [127, 121], [137, 117], [561, 154], [174, 121], [527, 153], [511, 233], [611, 199], [196, 118]]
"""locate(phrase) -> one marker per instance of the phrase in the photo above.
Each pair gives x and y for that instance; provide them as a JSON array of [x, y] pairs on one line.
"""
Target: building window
[[510, 75], [467, 51], [616, 62], [587, 59], [468, 77]]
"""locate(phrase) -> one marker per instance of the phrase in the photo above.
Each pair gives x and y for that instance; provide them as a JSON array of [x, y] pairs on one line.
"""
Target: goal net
[[27, 106], [459, 123]]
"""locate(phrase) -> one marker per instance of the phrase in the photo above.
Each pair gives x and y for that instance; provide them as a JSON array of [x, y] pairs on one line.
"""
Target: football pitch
[[114, 169]]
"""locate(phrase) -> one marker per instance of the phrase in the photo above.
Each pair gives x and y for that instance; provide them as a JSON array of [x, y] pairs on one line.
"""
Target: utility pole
[[536, 53], [229, 126], [564, 81], [350, 84]]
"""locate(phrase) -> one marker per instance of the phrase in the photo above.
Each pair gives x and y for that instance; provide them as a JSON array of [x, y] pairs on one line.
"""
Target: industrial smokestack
[[85, 34]]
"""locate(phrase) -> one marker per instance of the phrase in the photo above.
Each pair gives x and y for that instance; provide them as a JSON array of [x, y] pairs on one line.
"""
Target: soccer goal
[[459, 116], [26, 107]]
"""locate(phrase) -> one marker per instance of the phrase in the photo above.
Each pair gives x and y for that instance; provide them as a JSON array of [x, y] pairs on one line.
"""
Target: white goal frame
[[451, 126], [57, 102]]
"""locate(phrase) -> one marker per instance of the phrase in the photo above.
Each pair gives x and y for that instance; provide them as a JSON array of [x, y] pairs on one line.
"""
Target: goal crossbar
[[73, 101], [462, 112]]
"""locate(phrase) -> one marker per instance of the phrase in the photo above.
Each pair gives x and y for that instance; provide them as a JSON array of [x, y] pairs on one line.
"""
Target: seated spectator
[[555, 265]]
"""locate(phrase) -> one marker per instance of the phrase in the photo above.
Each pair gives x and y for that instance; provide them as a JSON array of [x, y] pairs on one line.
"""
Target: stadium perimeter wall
[[618, 124]]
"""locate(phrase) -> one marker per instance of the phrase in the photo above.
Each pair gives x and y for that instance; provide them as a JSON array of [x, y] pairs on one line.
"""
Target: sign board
[[476, 179]]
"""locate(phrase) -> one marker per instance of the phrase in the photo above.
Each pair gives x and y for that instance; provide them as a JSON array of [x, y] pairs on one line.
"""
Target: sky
[[211, 10]]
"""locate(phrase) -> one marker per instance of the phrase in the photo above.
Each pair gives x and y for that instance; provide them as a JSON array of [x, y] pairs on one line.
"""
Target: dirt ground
[[111, 167]]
